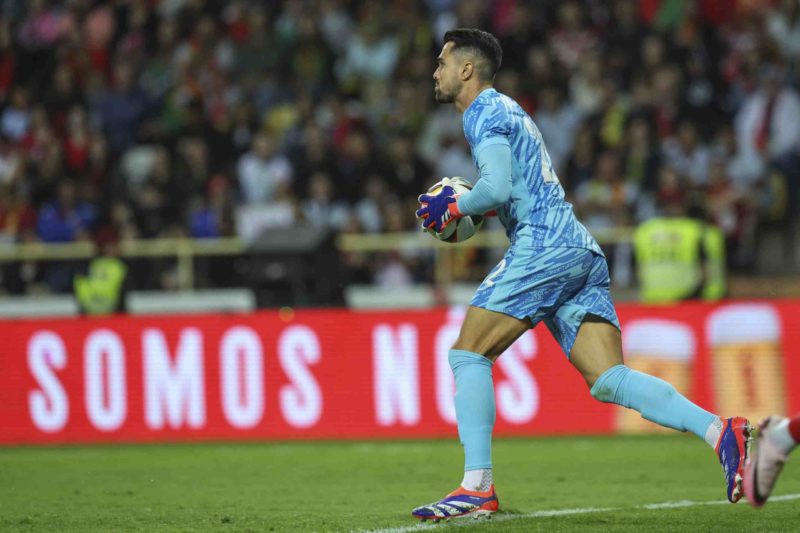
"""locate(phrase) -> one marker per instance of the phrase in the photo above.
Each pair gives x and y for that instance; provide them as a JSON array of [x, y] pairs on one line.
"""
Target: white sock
[[713, 432], [781, 437], [478, 480]]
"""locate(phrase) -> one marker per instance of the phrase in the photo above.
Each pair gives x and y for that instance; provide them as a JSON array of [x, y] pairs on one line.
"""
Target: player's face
[[447, 83]]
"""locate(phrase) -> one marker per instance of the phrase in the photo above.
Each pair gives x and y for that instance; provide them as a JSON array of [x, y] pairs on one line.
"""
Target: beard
[[443, 97]]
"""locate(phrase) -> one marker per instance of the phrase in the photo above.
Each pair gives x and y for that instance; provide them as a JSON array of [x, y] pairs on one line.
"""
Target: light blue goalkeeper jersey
[[536, 210]]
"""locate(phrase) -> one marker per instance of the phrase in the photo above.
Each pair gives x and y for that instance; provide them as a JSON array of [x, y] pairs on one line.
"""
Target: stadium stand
[[201, 119]]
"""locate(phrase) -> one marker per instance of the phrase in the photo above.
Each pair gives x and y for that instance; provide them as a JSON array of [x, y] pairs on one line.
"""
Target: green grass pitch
[[362, 486]]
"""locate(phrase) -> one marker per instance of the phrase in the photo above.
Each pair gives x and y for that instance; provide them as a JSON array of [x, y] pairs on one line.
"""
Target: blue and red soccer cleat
[[733, 449], [460, 503]]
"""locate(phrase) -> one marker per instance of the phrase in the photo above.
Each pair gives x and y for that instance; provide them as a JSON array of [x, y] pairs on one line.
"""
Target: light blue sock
[[655, 399], [475, 409]]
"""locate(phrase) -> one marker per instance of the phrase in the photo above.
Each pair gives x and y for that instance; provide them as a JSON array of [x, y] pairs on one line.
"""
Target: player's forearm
[[493, 189]]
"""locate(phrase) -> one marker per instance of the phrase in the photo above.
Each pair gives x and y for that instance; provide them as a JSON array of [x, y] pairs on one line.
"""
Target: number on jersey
[[548, 174]]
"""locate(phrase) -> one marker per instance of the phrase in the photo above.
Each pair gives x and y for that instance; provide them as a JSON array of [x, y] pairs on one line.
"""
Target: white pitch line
[[467, 522]]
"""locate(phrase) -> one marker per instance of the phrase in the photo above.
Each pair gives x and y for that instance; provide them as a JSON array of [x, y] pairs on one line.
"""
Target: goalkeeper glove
[[438, 210]]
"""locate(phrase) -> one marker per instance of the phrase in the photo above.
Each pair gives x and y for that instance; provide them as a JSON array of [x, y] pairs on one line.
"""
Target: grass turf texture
[[371, 485]]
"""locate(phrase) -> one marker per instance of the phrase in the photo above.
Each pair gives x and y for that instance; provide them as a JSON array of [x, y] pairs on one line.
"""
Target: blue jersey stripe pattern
[[536, 208], [554, 271]]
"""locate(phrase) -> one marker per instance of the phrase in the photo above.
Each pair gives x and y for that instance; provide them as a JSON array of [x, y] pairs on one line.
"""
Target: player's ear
[[467, 71]]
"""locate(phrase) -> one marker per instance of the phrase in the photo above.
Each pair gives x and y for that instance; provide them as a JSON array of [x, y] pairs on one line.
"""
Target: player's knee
[[474, 345], [607, 386], [602, 393], [453, 356], [456, 358]]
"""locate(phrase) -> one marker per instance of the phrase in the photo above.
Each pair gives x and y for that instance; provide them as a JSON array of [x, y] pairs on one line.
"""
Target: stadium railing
[[185, 249]]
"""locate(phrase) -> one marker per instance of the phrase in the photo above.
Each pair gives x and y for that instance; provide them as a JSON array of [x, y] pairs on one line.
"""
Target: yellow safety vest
[[99, 292], [668, 258], [716, 272]]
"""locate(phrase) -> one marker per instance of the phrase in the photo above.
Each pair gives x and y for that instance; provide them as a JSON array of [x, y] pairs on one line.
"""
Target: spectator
[[768, 123], [409, 174], [190, 170], [263, 171], [580, 166], [321, 208], [43, 26], [8, 60], [653, 54], [148, 180], [605, 200], [443, 124], [641, 160], [558, 122], [355, 160], [627, 35], [392, 272], [510, 83], [369, 208], [731, 213], [571, 40], [783, 25], [213, 218], [243, 128], [159, 71], [686, 154], [666, 97], [585, 84], [11, 164], [311, 154], [17, 217], [519, 38], [76, 142], [66, 218], [122, 109], [335, 24], [62, 95], [671, 195], [16, 119], [371, 55], [611, 120], [455, 160]]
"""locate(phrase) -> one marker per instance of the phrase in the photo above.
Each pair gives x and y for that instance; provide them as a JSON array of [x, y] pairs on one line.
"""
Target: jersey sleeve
[[493, 189], [486, 124]]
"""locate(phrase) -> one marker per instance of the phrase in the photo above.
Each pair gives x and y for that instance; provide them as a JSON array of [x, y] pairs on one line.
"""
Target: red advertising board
[[334, 374]]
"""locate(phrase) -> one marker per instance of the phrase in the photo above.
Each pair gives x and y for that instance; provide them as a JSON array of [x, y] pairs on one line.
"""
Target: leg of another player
[[779, 436], [484, 336], [597, 354]]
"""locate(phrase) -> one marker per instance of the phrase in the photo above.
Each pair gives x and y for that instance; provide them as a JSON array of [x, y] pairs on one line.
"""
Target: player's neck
[[468, 95]]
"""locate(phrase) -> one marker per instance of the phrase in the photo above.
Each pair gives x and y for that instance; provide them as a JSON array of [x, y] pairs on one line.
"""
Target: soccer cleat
[[460, 503], [764, 465], [733, 449]]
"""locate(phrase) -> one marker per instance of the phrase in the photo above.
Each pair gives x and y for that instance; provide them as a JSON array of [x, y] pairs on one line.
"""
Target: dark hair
[[481, 43]]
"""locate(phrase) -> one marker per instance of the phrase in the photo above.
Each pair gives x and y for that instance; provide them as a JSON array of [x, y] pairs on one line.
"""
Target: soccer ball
[[463, 228]]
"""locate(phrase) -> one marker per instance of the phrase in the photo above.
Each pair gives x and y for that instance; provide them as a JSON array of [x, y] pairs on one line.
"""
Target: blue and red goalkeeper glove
[[438, 210]]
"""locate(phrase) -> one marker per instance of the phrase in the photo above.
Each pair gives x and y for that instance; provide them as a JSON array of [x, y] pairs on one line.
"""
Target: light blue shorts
[[558, 285]]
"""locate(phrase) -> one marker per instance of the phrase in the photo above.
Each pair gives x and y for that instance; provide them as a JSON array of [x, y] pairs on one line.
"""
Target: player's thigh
[[597, 347], [489, 333]]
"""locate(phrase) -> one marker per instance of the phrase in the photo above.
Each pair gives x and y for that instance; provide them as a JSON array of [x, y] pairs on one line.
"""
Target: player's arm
[[493, 188]]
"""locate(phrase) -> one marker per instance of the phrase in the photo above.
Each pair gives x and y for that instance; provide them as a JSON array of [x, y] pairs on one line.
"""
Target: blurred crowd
[[131, 119]]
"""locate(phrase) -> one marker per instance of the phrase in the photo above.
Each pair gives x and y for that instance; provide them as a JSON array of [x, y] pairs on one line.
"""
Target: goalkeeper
[[553, 272]]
